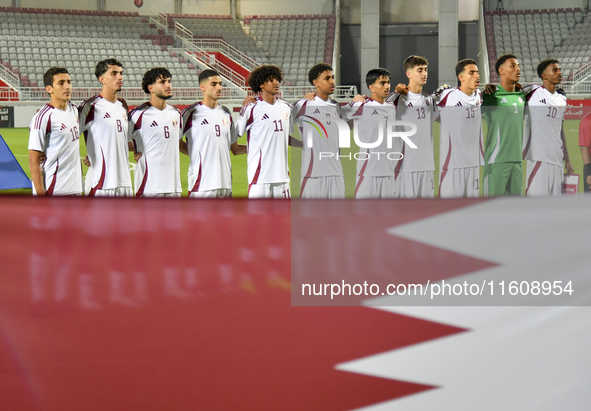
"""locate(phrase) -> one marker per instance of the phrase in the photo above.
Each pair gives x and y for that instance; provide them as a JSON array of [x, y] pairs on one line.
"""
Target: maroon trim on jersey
[[359, 111], [481, 148], [526, 149], [134, 145], [138, 123], [40, 115], [99, 186], [140, 190], [255, 179], [48, 127], [302, 110], [399, 164], [191, 109], [198, 182], [531, 93], [309, 172], [532, 175], [443, 102], [90, 115], [49, 191], [361, 177], [251, 118], [445, 165]]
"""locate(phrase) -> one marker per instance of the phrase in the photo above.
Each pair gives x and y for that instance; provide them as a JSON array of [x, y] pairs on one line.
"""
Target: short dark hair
[[317, 70], [501, 60], [544, 65], [103, 66], [413, 61], [462, 64], [374, 74], [262, 74], [205, 74], [151, 76], [48, 76]]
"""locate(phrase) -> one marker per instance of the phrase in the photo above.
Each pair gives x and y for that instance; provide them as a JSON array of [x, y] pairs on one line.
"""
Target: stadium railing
[[230, 51], [136, 94], [9, 77]]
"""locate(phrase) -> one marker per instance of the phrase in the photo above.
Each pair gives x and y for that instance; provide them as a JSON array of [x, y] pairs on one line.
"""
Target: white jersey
[[421, 110], [56, 133], [106, 134], [210, 133], [461, 142], [314, 118], [543, 125], [156, 134], [267, 127], [373, 119]]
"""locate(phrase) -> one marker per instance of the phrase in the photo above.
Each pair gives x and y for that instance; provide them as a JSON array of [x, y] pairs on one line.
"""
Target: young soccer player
[[545, 147], [585, 145], [460, 142], [54, 133], [210, 134], [156, 129], [103, 119], [322, 172], [375, 166], [414, 172], [503, 111], [268, 123]]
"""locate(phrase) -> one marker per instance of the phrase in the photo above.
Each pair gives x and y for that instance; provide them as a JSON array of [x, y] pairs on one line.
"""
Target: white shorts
[[415, 184], [323, 187], [375, 187], [217, 193], [543, 179], [459, 182], [269, 190], [112, 192], [161, 195]]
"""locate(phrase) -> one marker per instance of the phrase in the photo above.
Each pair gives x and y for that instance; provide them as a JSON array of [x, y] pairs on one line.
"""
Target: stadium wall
[[399, 42]]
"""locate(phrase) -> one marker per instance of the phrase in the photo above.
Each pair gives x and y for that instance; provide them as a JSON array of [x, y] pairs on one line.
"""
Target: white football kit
[[543, 148], [210, 133], [156, 134], [322, 172], [414, 173], [376, 165], [268, 127], [106, 133], [56, 133], [461, 148]]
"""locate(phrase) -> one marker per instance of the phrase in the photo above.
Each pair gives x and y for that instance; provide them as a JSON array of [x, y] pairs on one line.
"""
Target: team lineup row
[[387, 167]]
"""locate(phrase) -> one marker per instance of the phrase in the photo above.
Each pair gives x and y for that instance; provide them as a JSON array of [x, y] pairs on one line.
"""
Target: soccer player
[[54, 134], [414, 172], [585, 144], [545, 147], [375, 166], [503, 111], [156, 129], [322, 172], [210, 134], [268, 123], [103, 119], [460, 142]]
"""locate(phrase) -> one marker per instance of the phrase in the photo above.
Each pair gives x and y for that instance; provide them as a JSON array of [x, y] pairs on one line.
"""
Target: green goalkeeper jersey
[[503, 112]]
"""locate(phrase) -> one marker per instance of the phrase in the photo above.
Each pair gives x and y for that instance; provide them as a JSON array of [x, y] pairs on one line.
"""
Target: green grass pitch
[[17, 140]]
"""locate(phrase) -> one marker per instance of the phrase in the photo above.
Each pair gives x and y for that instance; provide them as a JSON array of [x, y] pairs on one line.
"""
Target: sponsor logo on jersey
[[265, 116], [459, 104], [375, 113], [154, 124], [174, 122], [285, 115], [204, 122], [409, 105], [504, 100], [543, 101], [316, 111], [107, 115], [226, 122], [63, 127]]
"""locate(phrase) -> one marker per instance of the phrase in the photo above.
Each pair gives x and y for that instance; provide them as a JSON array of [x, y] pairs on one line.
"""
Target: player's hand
[[42, 158], [359, 99], [518, 87], [248, 100], [490, 89], [86, 161], [441, 89], [569, 169], [137, 156], [310, 96], [401, 89]]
